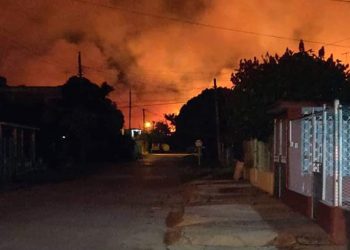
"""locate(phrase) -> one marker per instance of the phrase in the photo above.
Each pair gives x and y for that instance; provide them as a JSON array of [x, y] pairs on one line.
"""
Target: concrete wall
[[258, 165], [262, 179], [258, 154]]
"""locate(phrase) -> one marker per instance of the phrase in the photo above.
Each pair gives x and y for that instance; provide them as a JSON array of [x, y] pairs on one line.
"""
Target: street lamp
[[148, 125]]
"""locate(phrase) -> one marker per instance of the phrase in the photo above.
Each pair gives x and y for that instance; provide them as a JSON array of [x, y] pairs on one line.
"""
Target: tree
[[3, 82], [300, 76], [89, 122], [196, 120], [162, 129], [258, 84], [159, 134], [171, 118]]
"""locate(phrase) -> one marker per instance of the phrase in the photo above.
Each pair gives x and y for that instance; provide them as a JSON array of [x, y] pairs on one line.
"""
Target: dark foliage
[[258, 84], [196, 120], [3, 82], [80, 123], [159, 134], [300, 76], [84, 124], [171, 118]]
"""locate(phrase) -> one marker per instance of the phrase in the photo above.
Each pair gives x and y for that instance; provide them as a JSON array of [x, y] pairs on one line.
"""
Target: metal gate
[[280, 156], [323, 171]]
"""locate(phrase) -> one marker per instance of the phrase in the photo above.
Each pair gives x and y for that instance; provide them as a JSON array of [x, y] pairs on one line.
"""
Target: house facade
[[311, 162], [18, 151]]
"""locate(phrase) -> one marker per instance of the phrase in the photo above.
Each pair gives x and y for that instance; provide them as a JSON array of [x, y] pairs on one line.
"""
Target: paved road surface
[[126, 207], [121, 208]]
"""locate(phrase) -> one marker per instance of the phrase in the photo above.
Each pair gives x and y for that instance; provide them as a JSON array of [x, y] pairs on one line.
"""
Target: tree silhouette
[[3, 82], [196, 119], [300, 76], [171, 118], [88, 121], [258, 84]]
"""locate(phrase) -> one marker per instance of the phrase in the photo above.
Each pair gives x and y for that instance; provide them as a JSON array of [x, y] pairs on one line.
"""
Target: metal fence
[[299, 176], [324, 138], [344, 162]]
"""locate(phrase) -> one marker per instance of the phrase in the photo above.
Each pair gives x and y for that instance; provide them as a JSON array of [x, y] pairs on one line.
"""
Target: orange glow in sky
[[166, 51]]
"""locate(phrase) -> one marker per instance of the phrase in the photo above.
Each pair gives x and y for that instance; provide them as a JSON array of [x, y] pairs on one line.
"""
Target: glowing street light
[[148, 125]]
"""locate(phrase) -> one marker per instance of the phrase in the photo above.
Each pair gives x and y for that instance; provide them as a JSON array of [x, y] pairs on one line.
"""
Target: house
[[28, 101], [311, 162], [21, 111], [18, 151]]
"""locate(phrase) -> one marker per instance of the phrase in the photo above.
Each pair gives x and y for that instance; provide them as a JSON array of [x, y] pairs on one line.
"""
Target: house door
[[312, 157], [316, 189], [280, 157]]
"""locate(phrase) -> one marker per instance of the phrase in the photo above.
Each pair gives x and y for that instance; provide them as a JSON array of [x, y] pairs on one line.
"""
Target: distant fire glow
[[152, 47]]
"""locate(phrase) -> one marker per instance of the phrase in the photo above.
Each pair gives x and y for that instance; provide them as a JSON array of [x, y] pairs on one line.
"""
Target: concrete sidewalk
[[229, 215]]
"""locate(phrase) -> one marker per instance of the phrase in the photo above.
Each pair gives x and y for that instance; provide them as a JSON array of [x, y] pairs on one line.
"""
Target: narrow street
[[129, 207], [123, 207]]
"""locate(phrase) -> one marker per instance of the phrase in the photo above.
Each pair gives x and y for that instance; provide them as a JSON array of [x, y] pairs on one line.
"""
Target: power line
[[153, 104], [206, 25], [339, 41], [171, 90], [152, 112], [153, 101], [344, 1], [157, 73], [150, 102]]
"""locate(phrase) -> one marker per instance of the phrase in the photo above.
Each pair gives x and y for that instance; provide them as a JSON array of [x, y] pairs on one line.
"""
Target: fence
[[258, 161], [257, 154], [17, 150], [322, 140]]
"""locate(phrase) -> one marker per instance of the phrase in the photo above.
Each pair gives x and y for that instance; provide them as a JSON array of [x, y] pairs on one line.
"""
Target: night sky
[[166, 51]]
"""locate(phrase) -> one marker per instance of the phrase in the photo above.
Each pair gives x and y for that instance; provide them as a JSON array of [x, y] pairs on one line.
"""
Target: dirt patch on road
[[172, 235], [175, 216]]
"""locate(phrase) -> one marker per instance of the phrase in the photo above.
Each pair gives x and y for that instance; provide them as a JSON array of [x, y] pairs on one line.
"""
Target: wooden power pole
[[217, 121]]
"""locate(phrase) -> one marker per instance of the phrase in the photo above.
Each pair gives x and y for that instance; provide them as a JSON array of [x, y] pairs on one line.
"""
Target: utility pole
[[217, 121], [130, 109], [80, 68], [144, 118]]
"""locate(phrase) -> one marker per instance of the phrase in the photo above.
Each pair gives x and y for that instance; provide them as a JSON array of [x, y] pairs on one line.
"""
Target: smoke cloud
[[129, 44]]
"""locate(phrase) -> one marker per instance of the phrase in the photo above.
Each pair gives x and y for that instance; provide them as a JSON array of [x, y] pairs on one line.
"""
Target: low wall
[[262, 179], [298, 202], [335, 221]]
